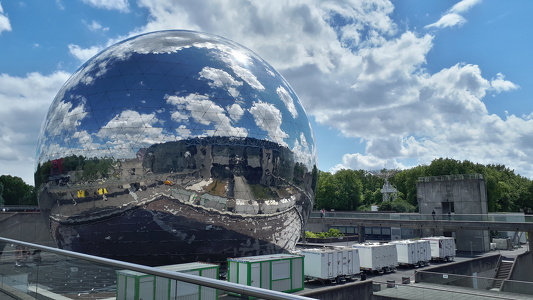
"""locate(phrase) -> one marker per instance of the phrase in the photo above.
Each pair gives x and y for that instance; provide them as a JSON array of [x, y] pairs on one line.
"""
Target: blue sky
[[387, 84]]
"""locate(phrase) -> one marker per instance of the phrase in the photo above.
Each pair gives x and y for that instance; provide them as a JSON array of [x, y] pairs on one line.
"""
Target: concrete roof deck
[[443, 292]]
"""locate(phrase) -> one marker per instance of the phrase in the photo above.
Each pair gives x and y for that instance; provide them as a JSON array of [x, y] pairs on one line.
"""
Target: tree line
[[350, 190]]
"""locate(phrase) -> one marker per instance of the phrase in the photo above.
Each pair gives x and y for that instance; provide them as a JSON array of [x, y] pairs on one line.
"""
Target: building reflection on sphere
[[176, 146]]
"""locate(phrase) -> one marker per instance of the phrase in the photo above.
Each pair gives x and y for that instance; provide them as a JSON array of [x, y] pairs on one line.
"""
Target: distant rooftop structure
[[388, 191], [456, 194]]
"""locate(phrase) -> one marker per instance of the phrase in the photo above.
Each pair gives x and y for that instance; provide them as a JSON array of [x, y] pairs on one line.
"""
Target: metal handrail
[[491, 217], [203, 281]]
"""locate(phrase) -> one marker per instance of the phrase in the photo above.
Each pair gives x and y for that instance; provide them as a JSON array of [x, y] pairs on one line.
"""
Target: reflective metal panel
[[176, 146]]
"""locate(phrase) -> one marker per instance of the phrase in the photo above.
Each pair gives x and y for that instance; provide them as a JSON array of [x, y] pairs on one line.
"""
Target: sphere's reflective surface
[[176, 146]]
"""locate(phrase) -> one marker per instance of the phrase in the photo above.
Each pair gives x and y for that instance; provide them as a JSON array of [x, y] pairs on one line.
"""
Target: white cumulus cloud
[[83, 54], [5, 24], [25, 101], [453, 16], [499, 84], [120, 5], [95, 26], [365, 77]]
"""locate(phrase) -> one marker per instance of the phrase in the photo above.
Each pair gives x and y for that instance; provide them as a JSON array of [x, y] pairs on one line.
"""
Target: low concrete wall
[[14, 293], [521, 272], [484, 267], [355, 290], [383, 297], [316, 227], [25, 226]]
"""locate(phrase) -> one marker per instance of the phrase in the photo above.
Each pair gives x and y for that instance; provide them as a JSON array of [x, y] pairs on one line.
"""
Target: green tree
[[398, 205], [17, 192], [368, 197], [405, 182], [325, 191], [442, 166], [1, 194], [526, 198], [371, 187], [506, 191], [340, 191], [348, 190], [314, 179]]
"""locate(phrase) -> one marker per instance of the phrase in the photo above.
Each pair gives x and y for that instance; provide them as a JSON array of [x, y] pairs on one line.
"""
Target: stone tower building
[[464, 194]]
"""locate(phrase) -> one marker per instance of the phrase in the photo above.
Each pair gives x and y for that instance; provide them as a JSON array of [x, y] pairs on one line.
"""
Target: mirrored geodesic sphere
[[176, 146]]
